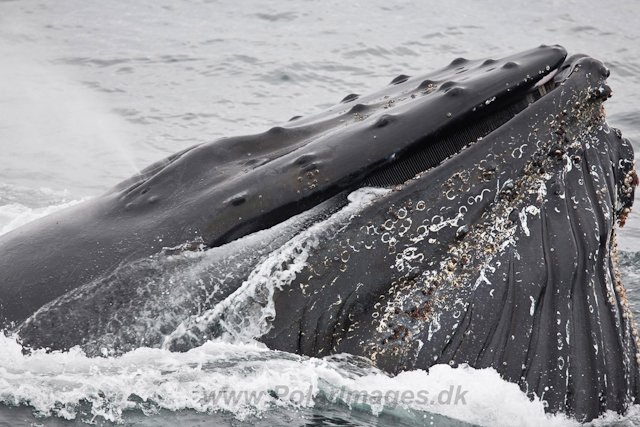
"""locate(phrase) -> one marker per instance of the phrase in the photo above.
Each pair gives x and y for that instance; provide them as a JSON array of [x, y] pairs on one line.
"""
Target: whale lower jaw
[[501, 257]]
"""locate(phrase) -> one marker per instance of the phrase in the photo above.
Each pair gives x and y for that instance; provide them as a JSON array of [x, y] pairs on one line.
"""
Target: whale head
[[491, 245]]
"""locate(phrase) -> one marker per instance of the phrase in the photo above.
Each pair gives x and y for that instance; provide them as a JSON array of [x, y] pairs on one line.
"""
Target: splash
[[20, 205], [250, 381]]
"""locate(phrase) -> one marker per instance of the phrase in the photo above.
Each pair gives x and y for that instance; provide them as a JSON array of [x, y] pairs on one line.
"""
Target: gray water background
[[92, 91]]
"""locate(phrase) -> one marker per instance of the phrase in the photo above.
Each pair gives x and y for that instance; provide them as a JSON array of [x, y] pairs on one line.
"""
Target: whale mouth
[[389, 137]]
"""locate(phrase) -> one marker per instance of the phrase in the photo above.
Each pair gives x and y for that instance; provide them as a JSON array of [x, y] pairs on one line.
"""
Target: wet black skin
[[523, 280]]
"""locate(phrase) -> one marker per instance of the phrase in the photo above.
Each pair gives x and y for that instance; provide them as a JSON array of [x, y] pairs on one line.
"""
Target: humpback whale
[[466, 216]]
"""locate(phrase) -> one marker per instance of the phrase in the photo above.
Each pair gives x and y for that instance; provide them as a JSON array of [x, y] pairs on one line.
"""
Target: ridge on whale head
[[495, 246]]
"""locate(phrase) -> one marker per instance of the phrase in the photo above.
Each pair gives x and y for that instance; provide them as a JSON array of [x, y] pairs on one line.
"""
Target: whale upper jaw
[[381, 139]]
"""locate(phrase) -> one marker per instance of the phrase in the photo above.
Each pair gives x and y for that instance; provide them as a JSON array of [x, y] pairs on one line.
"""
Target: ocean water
[[90, 92]]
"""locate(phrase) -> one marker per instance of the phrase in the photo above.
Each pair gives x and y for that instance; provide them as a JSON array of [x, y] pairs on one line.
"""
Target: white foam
[[265, 380], [16, 215]]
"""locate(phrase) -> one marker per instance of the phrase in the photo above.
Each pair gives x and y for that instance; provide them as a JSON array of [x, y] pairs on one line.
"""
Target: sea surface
[[92, 91]]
